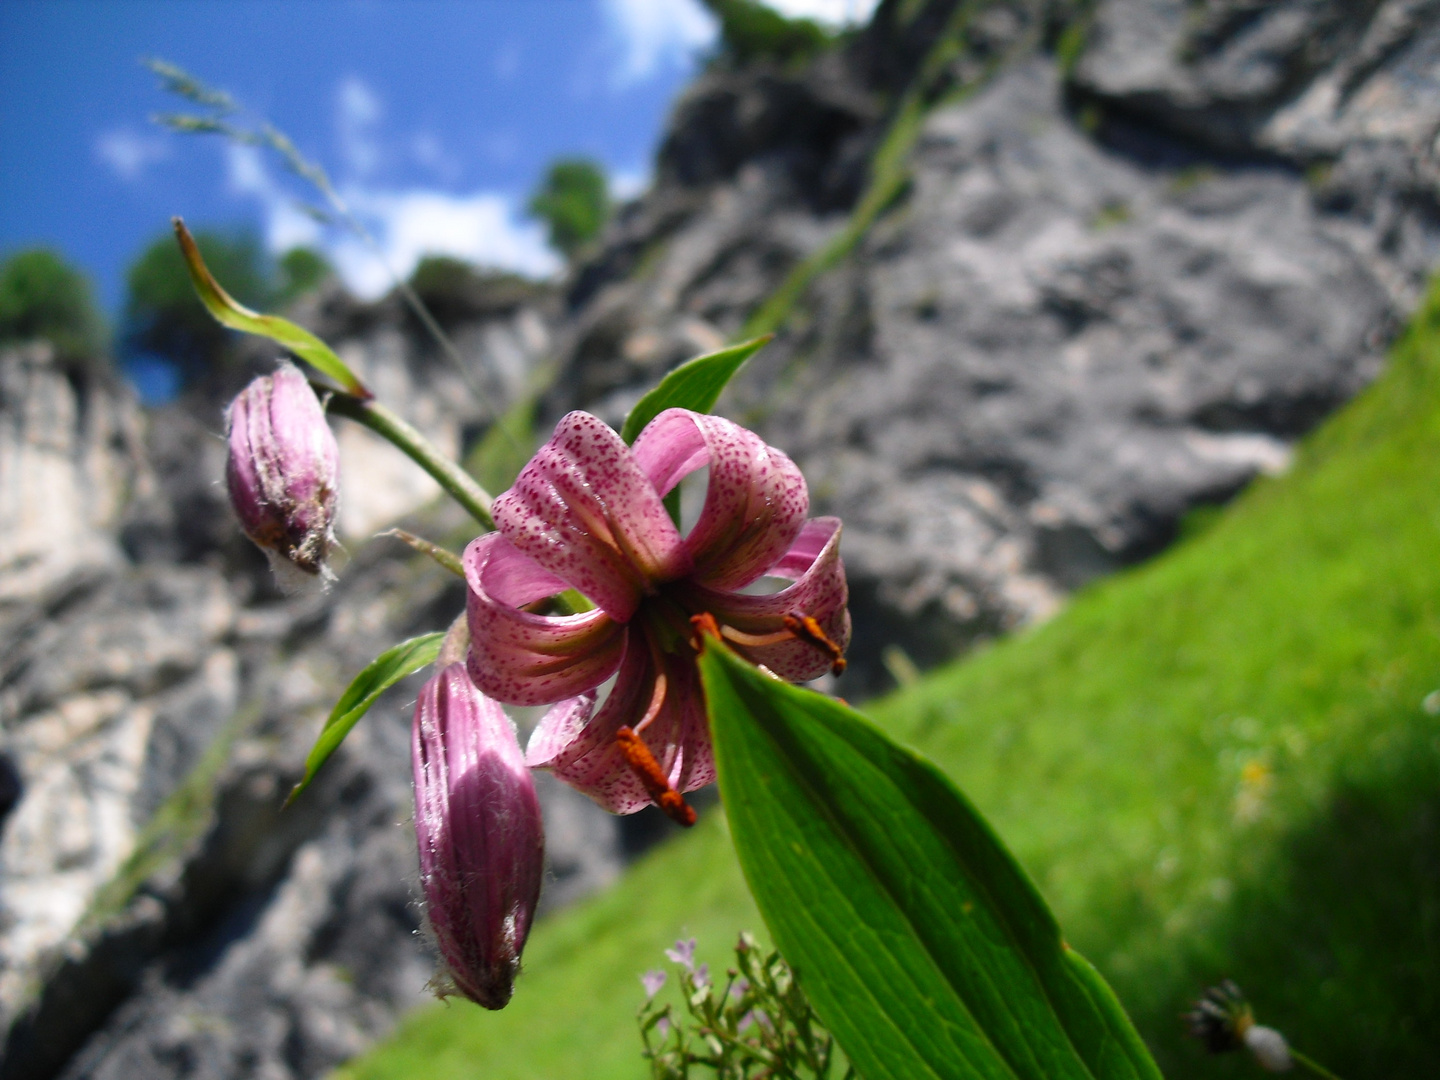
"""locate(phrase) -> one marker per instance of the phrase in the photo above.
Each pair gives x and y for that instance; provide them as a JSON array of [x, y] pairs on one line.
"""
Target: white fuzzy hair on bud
[[1269, 1047]]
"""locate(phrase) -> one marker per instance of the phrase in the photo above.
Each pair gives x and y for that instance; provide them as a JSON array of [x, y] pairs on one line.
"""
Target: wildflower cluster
[[758, 1025]]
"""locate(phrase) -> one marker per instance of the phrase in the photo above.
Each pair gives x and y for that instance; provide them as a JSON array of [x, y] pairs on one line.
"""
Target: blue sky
[[434, 117]]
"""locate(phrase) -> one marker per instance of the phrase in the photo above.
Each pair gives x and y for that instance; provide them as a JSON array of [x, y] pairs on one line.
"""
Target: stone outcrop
[[159, 914], [1102, 299], [69, 460], [1041, 286]]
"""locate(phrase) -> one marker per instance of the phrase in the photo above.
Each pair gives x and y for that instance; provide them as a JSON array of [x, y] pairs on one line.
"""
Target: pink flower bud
[[477, 823], [283, 470]]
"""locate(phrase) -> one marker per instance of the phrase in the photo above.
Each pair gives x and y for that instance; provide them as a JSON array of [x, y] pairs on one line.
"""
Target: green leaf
[[379, 675], [228, 311], [694, 385], [921, 942]]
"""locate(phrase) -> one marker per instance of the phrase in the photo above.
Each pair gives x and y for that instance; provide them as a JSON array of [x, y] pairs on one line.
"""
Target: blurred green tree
[[164, 319], [302, 269], [750, 31], [42, 296], [454, 290], [574, 202]]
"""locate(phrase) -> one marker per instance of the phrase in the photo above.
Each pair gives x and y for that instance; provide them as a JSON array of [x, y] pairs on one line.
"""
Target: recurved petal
[[522, 658], [583, 509], [819, 590], [755, 503], [581, 749]]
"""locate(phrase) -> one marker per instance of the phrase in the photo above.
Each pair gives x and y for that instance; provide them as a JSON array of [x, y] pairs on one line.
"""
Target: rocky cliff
[[1044, 278]]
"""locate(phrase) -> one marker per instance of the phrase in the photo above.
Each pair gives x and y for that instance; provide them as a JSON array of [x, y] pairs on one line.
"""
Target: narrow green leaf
[[925, 948], [694, 385], [230, 312], [379, 675]]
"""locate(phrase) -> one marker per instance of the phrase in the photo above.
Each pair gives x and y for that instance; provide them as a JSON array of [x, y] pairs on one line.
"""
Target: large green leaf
[[379, 675], [694, 385], [228, 311], [922, 943]]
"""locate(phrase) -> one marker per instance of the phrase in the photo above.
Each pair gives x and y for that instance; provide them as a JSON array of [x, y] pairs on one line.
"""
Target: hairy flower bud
[[477, 823], [283, 471]]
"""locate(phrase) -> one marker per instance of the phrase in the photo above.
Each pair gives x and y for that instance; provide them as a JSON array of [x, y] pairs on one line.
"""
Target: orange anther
[[809, 630], [643, 764], [705, 625]]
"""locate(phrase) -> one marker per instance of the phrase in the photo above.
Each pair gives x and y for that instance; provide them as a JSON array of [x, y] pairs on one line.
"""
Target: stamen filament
[[740, 637], [799, 627], [657, 699]]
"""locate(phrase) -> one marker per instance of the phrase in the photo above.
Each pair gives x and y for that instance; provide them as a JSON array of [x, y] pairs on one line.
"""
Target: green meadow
[[1219, 764]]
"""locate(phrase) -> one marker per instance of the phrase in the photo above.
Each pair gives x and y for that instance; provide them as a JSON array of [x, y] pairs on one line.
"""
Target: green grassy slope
[[1217, 764]]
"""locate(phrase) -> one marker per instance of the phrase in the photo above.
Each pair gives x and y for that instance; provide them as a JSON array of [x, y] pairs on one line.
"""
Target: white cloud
[[656, 33], [245, 170], [483, 227], [628, 184], [830, 12], [129, 154], [286, 224], [357, 110]]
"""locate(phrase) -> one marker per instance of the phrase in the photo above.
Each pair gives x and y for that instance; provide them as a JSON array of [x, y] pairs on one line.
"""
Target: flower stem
[[448, 559], [455, 480], [1313, 1065]]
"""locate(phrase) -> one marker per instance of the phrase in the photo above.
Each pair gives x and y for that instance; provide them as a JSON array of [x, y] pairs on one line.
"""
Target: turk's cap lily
[[283, 472], [478, 828], [587, 513]]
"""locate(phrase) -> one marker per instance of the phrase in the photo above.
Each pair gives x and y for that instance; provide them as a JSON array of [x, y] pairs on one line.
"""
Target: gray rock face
[[159, 914], [69, 445], [1101, 299], [1098, 304], [1063, 350]]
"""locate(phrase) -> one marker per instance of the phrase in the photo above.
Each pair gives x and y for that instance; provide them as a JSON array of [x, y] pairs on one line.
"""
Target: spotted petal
[[582, 751], [756, 501], [583, 509], [819, 590], [521, 658]]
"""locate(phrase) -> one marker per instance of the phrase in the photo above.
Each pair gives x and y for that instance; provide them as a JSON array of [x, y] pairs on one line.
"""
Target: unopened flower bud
[[283, 472], [1224, 1021], [477, 824]]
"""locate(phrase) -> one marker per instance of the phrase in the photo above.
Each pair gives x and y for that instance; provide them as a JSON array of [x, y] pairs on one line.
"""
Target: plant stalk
[[1313, 1065], [456, 481]]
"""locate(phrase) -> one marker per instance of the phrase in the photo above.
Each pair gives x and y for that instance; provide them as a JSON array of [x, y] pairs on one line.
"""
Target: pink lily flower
[[586, 513]]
